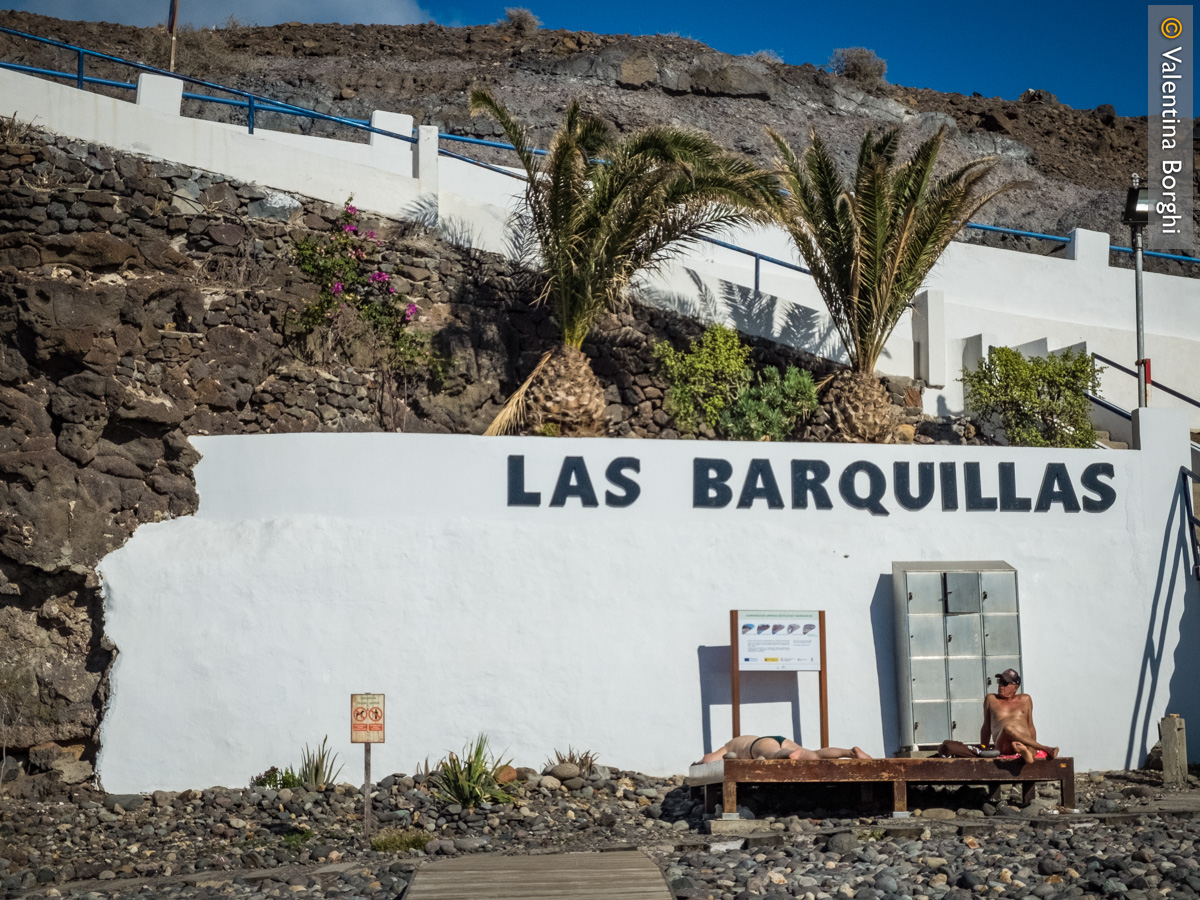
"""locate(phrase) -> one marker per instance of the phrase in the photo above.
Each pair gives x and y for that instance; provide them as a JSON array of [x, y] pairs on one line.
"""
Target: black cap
[[1009, 676]]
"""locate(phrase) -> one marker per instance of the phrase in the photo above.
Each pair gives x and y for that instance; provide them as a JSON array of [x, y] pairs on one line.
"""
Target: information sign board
[[366, 718], [772, 640]]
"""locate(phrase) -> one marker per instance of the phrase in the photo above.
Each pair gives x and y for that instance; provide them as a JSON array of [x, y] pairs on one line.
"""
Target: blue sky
[[1087, 54]]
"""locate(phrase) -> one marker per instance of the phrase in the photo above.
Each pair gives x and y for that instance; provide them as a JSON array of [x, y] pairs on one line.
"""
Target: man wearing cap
[[1008, 720]]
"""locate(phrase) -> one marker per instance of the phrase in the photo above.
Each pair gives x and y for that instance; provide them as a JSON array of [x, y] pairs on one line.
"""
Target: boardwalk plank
[[580, 876]]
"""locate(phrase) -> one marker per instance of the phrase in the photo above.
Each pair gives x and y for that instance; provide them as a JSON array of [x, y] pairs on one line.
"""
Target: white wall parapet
[[576, 591], [159, 93]]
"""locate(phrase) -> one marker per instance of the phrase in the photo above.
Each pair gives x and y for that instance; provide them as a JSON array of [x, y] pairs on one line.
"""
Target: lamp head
[[1137, 204]]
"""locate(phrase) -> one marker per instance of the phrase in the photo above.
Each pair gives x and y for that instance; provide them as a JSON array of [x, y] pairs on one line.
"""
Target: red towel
[[1041, 754]]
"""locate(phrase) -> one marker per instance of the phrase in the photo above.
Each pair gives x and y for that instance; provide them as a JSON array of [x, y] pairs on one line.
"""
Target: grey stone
[[274, 205], [843, 842], [564, 770]]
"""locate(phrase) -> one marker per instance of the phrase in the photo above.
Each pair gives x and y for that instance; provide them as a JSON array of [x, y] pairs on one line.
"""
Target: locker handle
[[953, 724]]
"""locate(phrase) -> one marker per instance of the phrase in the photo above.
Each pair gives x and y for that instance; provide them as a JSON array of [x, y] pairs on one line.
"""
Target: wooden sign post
[[366, 728], [777, 640]]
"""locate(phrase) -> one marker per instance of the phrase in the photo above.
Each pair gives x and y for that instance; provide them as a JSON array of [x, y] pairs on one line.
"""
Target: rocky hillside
[[1078, 162]]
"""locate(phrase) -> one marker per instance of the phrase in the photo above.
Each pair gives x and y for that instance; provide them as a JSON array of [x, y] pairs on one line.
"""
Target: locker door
[[964, 668], [1001, 625], [927, 658]]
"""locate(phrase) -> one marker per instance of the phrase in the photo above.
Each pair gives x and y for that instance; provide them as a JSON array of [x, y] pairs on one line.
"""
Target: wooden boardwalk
[[624, 875]]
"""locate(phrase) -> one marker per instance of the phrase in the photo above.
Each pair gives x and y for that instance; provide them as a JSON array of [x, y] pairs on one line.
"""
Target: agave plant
[[602, 209], [870, 246], [317, 766], [470, 778]]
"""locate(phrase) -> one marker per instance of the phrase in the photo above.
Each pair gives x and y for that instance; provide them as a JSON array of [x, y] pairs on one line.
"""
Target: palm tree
[[869, 247], [602, 209]]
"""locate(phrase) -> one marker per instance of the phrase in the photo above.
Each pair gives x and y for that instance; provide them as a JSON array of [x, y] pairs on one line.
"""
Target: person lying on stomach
[[776, 746]]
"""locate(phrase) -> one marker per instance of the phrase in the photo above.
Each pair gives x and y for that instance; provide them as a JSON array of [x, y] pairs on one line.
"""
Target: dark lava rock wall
[[143, 302]]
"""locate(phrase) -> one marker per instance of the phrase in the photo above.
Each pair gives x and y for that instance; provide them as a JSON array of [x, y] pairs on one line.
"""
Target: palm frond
[[871, 245], [513, 415], [605, 208]]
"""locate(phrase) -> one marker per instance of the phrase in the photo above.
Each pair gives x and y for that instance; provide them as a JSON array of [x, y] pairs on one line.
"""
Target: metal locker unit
[[957, 624]]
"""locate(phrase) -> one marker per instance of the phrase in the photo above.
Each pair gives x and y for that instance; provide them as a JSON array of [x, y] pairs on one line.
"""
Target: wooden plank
[[1174, 751], [899, 796], [629, 875]]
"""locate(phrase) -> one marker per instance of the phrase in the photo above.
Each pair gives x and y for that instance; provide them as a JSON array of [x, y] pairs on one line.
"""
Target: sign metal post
[[777, 640], [366, 728]]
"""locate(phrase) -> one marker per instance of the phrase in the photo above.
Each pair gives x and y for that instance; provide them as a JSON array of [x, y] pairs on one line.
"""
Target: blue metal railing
[[1029, 234], [250, 101], [1109, 406], [253, 103], [1158, 386], [1156, 254], [1186, 474]]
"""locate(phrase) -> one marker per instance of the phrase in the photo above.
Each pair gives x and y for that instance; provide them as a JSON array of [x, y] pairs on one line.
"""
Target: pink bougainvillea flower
[[352, 209], [350, 229], [337, 287]]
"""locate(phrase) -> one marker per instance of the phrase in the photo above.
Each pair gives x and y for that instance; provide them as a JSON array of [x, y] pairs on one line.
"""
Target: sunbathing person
[[752, 746], [1008, 721]]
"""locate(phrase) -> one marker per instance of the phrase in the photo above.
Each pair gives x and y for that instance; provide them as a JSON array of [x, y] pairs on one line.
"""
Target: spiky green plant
[[469, 779], [603, 208], [317, 766], [871, 243]]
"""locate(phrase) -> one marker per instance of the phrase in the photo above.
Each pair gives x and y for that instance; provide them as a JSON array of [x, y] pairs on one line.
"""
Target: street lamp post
[[1137, 216]]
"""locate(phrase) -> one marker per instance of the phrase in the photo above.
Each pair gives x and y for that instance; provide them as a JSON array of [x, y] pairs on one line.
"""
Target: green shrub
[[859, 64], [470, 779], [1039, 401], [317, 766], [399, 840], [294, 840], [705, 378], [771, 406], [274, 778]]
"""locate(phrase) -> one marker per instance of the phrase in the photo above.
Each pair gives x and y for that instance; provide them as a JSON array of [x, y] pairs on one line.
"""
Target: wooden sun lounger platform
[[725, 775]]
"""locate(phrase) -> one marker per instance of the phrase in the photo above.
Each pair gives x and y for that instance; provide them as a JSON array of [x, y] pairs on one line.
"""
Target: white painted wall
[[1010, 297], [321, 565]]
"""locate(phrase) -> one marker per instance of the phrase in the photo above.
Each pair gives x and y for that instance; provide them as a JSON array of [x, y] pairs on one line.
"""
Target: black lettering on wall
[[903, 485], [809, 477], [1106, 495], [1009, 501], [709, 490], [573, 481], [974, 485], [517, 495], [615, 473], [877, 487], [1057, 488], [760, 484], [948, 476]]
